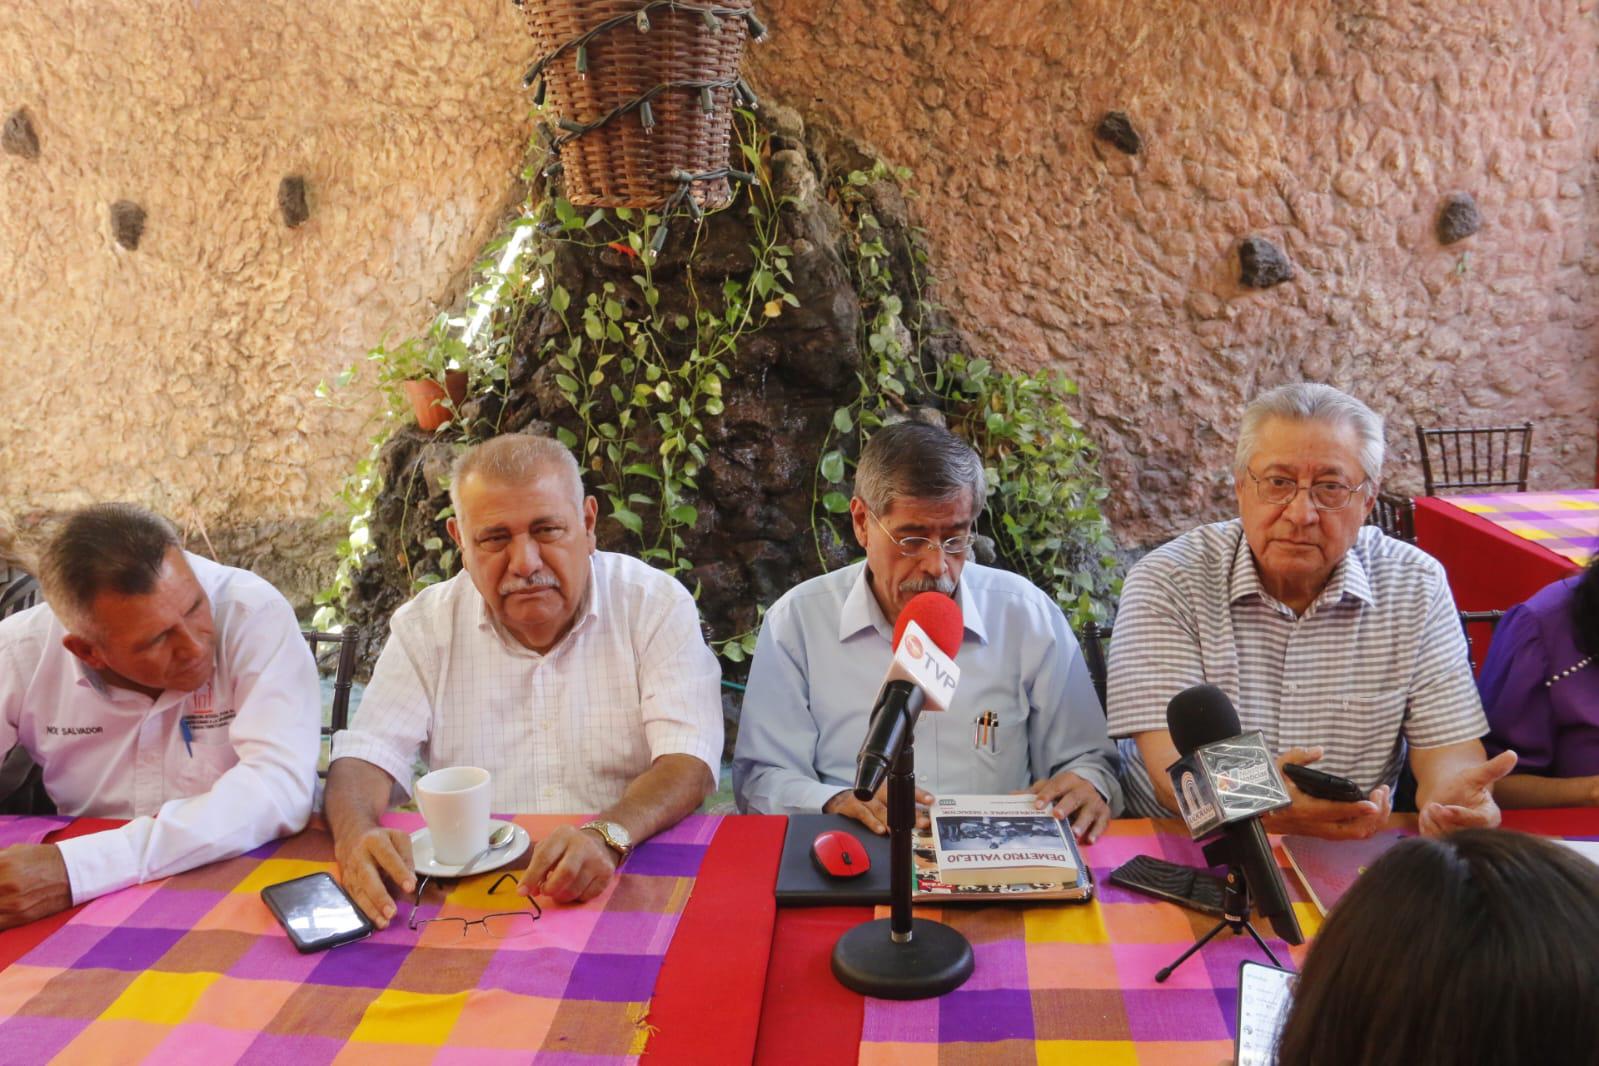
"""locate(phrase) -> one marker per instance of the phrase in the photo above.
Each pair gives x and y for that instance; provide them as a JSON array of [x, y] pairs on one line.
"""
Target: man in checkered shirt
[[578, 678], [1342, 645]]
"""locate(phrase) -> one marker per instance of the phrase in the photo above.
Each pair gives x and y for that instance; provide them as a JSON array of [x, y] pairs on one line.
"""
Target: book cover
[[998, 846], [1328, 868]]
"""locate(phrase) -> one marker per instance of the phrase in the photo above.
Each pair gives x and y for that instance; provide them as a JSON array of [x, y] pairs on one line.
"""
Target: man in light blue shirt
[[1025, 716]]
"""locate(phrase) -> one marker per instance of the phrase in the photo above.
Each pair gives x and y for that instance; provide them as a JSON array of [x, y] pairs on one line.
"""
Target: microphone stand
[[1235, 906], [902, 957]]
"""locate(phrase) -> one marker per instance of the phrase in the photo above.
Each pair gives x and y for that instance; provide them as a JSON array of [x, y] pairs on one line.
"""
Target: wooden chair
[[339, 650], [1095, 637], [20, 594], [1395, 515], [1478, 618], [21, 782], [1475, 460]]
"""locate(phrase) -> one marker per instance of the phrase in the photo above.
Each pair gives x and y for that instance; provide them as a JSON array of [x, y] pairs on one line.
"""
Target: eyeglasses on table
[[501, 925]]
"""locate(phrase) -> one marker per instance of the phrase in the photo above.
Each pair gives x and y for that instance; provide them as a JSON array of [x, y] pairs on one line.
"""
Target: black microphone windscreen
[[1200, 715]]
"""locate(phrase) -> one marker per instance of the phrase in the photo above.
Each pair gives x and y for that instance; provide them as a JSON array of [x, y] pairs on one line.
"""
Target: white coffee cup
[[455, 805]]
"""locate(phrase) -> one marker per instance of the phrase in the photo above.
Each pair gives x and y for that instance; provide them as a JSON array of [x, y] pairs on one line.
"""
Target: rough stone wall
[[1333, 130], [181, 373]]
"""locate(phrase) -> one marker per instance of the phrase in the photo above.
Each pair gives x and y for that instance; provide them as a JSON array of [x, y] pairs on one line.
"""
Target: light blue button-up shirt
[[1025, 708]]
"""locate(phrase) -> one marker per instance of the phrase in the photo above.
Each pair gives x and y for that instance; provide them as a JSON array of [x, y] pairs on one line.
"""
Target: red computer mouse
[[838, 854]]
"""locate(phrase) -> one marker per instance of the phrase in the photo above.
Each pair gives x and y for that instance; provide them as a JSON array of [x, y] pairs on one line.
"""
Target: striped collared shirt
[[1377, 661]]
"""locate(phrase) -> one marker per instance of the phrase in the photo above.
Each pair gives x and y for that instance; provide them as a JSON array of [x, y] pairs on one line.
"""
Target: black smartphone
[[1322, 785], [1184, 885], [315, 912]]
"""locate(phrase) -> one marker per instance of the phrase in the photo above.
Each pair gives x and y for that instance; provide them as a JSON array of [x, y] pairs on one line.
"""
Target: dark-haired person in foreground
[[1480, 949], [1540, 689], [1025, 715], [1340, 644], [156, 686]]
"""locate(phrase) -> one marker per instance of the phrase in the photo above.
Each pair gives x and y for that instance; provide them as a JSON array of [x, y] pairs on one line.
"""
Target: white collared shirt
[[246, 774], [560, 732]]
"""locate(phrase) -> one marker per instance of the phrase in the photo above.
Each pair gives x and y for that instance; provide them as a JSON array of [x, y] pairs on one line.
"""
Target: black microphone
[[896, 709], [1224, 782]]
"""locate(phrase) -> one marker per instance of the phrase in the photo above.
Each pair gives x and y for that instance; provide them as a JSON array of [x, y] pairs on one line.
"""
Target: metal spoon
[[500, 838]]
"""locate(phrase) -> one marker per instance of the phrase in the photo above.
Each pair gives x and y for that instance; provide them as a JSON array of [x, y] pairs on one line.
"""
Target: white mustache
[[537, 581], [944, 585]]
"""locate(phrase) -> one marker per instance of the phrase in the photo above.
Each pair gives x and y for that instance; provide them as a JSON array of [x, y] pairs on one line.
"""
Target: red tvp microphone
[[922, 673]]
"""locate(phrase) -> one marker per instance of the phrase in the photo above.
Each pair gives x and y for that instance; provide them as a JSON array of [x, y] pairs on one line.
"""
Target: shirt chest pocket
[[196, 768], [995, 734], [211, 731], [1366, 731]]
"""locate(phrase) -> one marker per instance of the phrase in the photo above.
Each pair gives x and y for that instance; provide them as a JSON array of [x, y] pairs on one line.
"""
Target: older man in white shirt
[[578, 678], [156, 686]]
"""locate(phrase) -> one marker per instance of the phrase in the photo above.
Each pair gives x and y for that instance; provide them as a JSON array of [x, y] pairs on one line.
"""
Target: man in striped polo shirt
[[1342, 645]]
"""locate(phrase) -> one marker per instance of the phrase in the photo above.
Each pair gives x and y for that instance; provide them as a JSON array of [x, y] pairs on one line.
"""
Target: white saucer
[[422, 853]]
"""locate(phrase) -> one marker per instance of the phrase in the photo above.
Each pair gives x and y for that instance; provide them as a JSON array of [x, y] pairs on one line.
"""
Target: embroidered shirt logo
[[73, 730], [203, 712]]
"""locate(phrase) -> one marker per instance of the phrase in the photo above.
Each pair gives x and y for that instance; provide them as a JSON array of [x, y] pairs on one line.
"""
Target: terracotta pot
[[427, 398]]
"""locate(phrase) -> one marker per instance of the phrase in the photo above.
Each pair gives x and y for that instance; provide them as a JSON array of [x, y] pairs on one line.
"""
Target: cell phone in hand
[[315, 912], [1264, 996], [1322, 785], [1182, 885]]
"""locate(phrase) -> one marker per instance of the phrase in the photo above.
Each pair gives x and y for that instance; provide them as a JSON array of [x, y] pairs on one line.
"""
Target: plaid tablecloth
[[28, 829], [1567, 523], [1065, 983], [194, 969]]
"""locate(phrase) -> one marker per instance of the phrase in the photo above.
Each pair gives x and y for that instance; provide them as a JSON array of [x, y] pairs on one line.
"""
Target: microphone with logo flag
[[902, 956], [921, 674], [1225, 781]]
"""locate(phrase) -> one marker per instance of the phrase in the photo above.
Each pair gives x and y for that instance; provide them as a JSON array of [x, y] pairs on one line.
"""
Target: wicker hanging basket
[[665, 72]]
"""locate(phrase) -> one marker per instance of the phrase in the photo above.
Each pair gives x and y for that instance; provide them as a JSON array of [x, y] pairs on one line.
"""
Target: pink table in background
[[1500, 549]]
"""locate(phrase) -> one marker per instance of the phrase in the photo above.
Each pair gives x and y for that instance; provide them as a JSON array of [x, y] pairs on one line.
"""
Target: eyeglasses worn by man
[[1025, 715], [1341, 644]]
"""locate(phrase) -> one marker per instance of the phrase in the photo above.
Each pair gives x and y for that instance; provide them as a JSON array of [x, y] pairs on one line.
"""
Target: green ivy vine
[[1044, 487]]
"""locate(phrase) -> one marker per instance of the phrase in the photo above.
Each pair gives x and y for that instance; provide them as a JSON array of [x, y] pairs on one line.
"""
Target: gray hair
[[917, 461], [106, 547], [1309, 401], [516, 458]]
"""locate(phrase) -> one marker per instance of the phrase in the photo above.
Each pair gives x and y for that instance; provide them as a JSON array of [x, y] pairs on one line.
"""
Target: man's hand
[[1331, 819], [873, 813], [570, 865], [1466, 801], [366, 860], [33, 883], [1067, 795]]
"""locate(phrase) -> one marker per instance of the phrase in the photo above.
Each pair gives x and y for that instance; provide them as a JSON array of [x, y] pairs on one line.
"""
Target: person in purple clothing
[[1540, 688]]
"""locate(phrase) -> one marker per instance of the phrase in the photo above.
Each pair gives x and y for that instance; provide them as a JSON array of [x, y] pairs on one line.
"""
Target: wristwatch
[[616, 837]]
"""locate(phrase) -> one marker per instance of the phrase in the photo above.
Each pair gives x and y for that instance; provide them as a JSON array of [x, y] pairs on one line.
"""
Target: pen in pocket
[[188, 736]]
